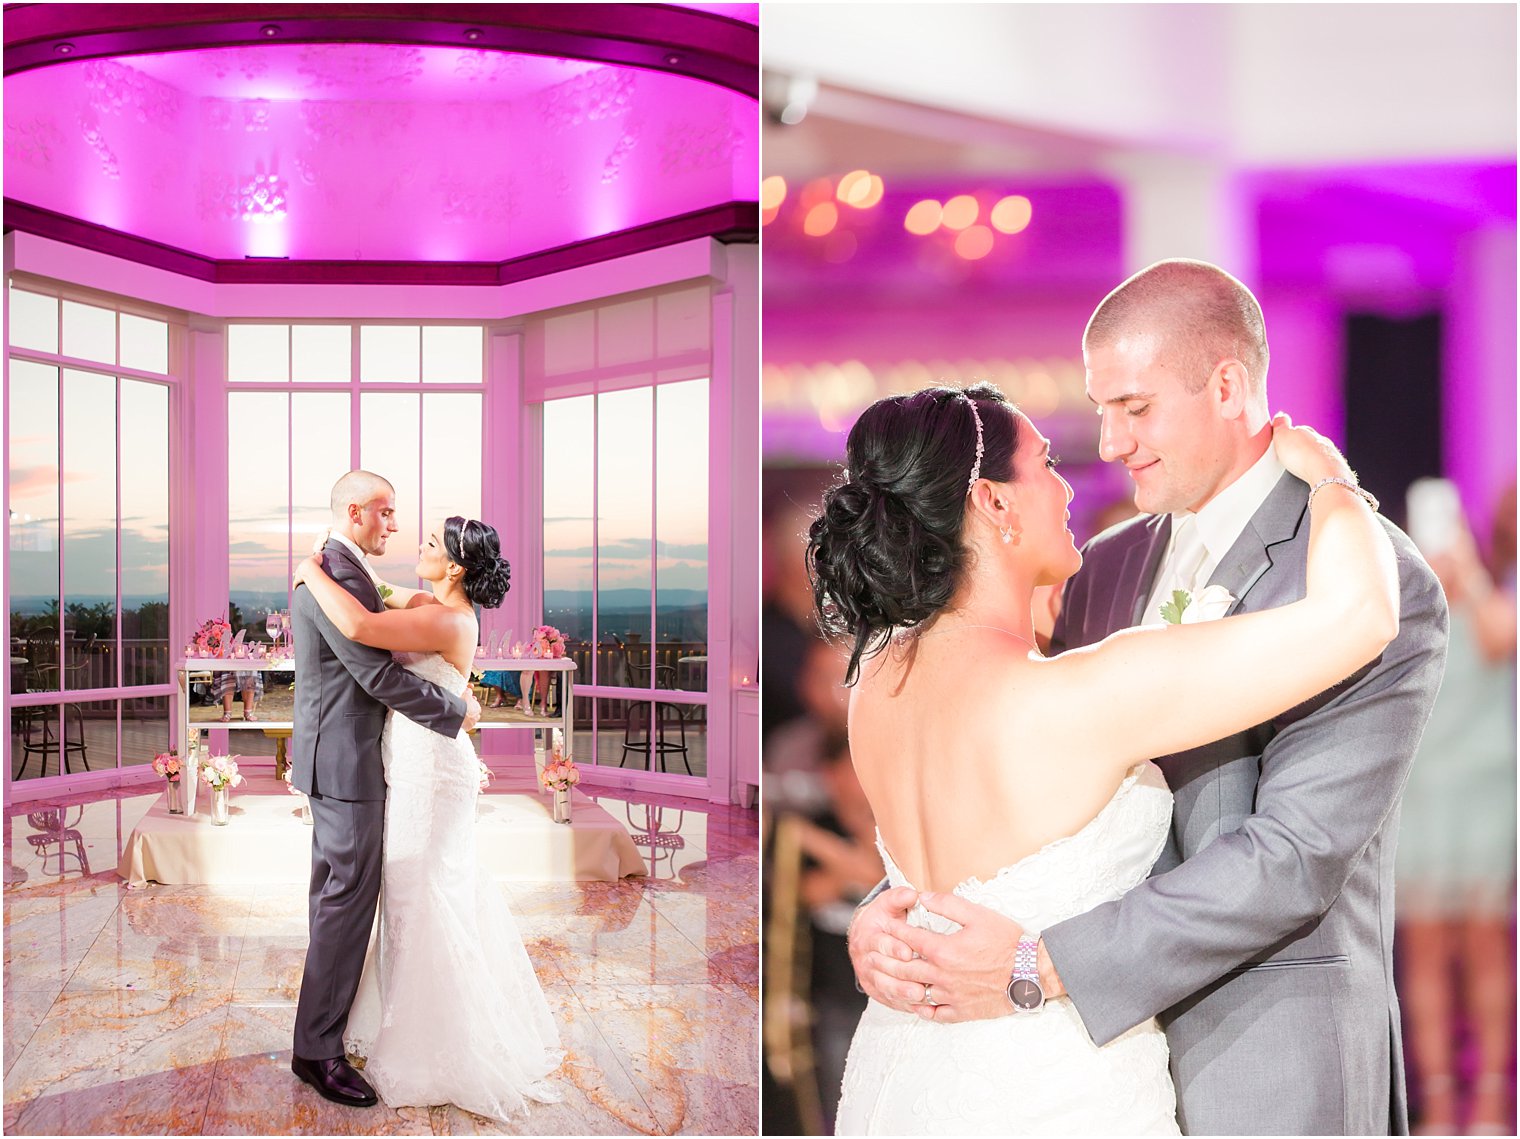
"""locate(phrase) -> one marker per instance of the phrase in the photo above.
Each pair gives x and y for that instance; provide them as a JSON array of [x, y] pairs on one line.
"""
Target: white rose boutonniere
[[1212, 603]]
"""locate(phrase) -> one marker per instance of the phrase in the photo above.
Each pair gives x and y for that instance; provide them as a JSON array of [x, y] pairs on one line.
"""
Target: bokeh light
[[960, 211], [772, 192], [854, 187], [924, 217], [1012, 214], [821, 219], [975, 243]]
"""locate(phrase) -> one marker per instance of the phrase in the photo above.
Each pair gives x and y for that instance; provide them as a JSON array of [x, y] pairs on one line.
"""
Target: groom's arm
[[1328, 783], [376, 671]]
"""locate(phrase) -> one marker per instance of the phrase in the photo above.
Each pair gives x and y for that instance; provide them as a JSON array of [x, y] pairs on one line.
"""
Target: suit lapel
[[1276, 521], [334, 546], [1140, 566]]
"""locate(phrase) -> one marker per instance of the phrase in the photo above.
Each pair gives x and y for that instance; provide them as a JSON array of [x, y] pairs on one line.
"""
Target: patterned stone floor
[[169, 1009]]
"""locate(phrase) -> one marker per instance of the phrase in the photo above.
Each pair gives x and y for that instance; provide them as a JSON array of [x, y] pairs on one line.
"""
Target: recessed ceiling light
[[64, 48], [672, 59], [269, 31], [473, 34]]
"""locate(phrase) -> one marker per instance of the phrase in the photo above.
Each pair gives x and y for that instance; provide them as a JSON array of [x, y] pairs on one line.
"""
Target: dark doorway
[[1393, 403]]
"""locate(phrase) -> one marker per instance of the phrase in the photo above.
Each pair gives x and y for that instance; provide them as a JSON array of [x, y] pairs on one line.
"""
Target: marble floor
[[169, 1009]]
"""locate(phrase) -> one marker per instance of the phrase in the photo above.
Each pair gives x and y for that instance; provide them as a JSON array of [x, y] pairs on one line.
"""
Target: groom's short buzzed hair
[[1200, 314], [360, 488]]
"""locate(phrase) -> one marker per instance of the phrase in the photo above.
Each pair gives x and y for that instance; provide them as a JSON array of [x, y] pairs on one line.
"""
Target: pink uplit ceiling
[[749, 13], [373, 152]]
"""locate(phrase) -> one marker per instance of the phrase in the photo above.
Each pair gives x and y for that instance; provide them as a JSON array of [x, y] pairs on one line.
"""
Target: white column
[[734, 522], [198, 500], [511, 499], [1181, 206], [511, 494], [5, 434]]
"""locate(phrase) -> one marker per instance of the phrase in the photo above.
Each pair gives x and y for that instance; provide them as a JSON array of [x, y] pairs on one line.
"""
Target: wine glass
[[272, 622]]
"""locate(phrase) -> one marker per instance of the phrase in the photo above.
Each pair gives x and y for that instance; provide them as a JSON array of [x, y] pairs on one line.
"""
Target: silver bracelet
[[1364, 495]]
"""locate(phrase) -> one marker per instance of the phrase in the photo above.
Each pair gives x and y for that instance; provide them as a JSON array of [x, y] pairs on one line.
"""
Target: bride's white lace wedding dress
[[1033, 1073], [449, 1009]]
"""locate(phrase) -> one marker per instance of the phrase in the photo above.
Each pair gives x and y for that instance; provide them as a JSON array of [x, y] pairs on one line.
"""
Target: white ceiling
[[912, 87]]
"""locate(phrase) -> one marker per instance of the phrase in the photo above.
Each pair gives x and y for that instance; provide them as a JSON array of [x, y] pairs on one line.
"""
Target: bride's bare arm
[[399, 597], [417, 628], [1165, 689]]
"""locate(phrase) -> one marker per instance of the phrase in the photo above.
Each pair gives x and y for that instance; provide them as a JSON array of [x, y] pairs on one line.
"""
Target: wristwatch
[[1024, 992]]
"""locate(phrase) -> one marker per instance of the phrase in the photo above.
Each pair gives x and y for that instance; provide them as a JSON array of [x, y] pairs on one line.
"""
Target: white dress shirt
[[1215, 528]]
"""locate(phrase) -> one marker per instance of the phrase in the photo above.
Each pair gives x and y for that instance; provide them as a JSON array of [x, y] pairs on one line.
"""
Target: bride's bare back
[[964, 772]]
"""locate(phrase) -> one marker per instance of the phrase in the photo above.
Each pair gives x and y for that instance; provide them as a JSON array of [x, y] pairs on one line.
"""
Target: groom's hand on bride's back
[[968, 971]]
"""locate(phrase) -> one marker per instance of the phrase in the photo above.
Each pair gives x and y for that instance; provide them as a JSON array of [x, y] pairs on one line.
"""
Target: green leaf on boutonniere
[[385, 591], [1171, 611]]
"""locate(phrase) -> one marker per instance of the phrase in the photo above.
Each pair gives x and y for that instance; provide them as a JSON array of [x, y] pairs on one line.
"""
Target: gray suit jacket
[[1264, 937], [343, 690]]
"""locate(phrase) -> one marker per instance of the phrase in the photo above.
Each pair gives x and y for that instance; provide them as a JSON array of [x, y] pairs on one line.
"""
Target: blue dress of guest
[[509, 682]]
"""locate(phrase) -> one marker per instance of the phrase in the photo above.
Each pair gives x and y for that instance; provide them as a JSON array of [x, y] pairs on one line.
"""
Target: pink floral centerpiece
[[220, 773], [296, 791], [167, 764], [548, 643], [558, 776], [212, 639]]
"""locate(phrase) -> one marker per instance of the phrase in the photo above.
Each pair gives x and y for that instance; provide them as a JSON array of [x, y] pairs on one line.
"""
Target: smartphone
[[1435, 515]]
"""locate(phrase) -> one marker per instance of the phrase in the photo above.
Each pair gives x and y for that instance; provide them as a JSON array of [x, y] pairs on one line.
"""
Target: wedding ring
[[929, 997]]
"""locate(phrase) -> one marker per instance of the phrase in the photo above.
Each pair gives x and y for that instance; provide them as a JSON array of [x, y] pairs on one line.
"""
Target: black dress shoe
[[335, 1080]]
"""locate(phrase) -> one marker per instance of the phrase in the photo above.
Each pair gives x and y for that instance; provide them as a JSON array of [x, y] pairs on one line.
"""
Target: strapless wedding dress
[[449, 1008], [1033, 1073]]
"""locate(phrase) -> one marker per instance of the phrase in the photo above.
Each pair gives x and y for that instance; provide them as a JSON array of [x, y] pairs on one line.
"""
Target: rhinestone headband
[[976, 467]]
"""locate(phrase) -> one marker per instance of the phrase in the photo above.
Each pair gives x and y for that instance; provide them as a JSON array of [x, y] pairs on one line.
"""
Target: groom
[[1263, 939], [342, 692]]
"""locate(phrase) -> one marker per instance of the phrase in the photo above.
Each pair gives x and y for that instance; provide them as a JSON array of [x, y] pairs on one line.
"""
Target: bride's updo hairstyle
[[475, 546], [887, 552]]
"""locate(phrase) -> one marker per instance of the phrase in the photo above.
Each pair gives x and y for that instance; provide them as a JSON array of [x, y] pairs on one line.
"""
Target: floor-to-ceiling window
[[625, 508], [88, 487], [307, 402]]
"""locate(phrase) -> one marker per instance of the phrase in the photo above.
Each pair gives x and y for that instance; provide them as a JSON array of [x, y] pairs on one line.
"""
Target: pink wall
[[1479, 364]]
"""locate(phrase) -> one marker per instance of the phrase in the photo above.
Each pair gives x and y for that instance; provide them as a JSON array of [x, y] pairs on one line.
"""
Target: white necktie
[[1188, 555], [1180, 570]]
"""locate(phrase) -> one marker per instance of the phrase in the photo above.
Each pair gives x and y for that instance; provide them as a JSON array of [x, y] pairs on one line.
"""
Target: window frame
[[171, 380]]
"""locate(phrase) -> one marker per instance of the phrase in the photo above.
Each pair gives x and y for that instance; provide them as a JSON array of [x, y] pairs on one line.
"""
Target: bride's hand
[[1306, 453], [321, 543], [306, 568], [878, 952]]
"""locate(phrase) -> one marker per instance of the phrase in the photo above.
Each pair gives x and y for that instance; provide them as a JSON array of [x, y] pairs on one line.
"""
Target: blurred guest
[[842, 866], [786, 616], [796, 752], [1456, 853], [1121, 509], [505, 684], [250, 684], [820, 860]]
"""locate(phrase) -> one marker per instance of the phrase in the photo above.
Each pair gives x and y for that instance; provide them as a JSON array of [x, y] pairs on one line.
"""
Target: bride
[[449, 1009], [1021, 782]]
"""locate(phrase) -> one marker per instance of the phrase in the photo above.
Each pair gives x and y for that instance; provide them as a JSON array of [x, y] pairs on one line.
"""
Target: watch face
[[1026, 994]]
